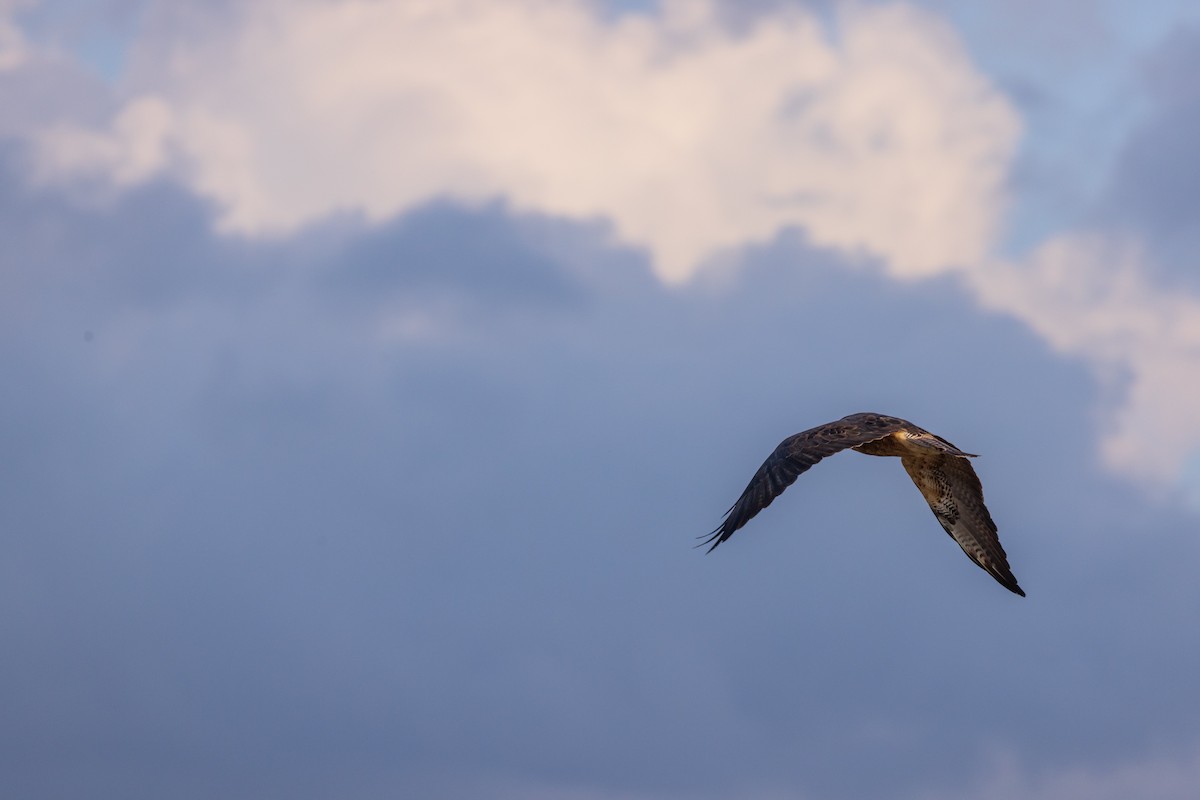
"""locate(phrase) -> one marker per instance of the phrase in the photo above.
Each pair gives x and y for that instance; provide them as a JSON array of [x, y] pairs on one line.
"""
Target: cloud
[[265, 546], [1114, 290], [42, 87], [288, 525], [1151, 778], [402, 507], [14, 50], [1089, 297], [1151, 191], [690, 137], [135, 151], [875, 136]]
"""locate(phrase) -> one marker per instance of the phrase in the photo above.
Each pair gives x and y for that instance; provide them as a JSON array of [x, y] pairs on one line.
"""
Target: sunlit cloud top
[[689, 137]]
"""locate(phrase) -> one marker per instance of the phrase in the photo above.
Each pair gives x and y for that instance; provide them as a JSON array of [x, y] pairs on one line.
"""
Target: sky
[[373, 365]]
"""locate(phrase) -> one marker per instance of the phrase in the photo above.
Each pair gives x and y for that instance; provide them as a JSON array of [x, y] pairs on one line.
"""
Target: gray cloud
[[268, 536], [427, 251], [1153, 186]]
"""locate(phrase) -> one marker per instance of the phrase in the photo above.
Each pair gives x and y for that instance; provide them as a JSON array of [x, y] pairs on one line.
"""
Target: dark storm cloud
[[259, 544]]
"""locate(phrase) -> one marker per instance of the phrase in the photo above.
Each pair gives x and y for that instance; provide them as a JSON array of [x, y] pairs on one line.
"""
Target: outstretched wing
[[795, 455], [952, 489]]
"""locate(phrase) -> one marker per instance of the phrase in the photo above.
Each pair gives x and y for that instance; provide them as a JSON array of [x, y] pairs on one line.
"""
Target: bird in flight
[[939, 469]]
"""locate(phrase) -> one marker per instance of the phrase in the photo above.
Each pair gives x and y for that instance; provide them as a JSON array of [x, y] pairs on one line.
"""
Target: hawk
[[939, 469]]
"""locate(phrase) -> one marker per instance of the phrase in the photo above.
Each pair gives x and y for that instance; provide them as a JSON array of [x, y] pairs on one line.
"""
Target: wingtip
[[1009, 582], [713, 539], [1005, 578]]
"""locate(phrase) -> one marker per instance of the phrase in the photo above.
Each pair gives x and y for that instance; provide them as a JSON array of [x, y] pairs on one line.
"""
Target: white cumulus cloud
[[687, 136], [1088, 296]]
